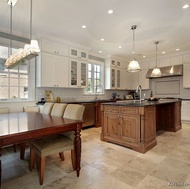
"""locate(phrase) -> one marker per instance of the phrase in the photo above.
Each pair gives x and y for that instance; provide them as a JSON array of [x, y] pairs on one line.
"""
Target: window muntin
[[95, 82], [13, 82]]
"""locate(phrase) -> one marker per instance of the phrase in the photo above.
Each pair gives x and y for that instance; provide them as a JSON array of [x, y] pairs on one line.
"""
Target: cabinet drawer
[[114, 109], [129, 110]]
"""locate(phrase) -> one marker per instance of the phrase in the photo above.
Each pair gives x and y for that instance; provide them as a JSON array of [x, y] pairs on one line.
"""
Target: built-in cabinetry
[[76, 53], [134, 127], [52, 66], [115, 74], [186, 75], [78, 73], [185, 109], [52, 70]]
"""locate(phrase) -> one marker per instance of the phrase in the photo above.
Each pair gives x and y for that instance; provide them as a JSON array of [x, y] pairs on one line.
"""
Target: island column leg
[[78, 148]]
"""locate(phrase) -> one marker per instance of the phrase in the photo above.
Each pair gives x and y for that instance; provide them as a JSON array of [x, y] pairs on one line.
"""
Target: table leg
[[78, 148]]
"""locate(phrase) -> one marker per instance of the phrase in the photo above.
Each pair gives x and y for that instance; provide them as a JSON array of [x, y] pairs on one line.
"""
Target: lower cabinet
[[133, 127], [185, 109]]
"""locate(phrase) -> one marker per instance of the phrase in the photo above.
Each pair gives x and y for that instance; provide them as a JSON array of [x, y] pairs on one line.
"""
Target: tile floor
[[106, 165]]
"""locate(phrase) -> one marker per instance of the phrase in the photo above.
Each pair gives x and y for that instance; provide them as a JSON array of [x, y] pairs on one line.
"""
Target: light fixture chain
[[11, 23], [30, 19], [134, 43]]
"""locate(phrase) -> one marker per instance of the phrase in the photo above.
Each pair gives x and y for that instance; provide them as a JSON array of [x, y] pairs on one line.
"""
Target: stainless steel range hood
[[168, 71]]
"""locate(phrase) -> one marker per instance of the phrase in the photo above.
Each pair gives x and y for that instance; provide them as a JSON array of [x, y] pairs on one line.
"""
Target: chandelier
[[24, 54]]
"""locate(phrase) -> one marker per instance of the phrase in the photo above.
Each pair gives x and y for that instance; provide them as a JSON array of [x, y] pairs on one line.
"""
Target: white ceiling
[[162, 20]]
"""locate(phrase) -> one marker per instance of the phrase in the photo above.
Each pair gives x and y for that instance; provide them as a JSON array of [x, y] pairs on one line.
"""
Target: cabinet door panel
[[48, 70], [61, 73], [111, 125], [186, 75], [130, 128]]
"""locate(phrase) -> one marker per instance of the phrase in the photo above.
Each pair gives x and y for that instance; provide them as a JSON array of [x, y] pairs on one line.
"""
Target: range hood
[[168, 71]]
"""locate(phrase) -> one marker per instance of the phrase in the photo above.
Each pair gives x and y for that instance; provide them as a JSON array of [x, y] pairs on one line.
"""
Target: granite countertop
[[82, 101], [143, 103]]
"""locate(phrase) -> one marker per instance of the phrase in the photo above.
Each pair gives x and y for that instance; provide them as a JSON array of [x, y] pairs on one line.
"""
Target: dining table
[[21, 127]]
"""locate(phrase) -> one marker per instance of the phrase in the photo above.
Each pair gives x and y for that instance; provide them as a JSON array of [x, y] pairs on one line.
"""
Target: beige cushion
[[31, 109], [74, 111], [51, 145], [47, 108], [4, 110], [58, 109]]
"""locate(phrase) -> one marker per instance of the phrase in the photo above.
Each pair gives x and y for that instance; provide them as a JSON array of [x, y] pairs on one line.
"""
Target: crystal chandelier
[[30, 50]]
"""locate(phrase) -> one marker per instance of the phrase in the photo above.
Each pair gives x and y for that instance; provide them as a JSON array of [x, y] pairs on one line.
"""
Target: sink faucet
[[139, 88], [96, 91]]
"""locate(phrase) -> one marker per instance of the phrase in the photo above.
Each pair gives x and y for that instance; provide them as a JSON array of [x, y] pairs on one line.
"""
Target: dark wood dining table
[[22, 127]]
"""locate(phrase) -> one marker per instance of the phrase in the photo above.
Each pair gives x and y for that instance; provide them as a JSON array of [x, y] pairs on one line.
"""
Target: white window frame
[[101, 64], [31, 82]]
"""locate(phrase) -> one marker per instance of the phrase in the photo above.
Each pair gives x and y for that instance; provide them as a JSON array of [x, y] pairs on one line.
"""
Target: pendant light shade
[[133, 65], [156, 72]]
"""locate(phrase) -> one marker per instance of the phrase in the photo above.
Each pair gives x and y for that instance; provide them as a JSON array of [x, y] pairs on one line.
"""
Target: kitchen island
[[134, 124]]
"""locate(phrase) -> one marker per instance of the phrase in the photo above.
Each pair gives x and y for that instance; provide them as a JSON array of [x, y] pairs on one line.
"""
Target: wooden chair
[[6, 110], [56, 144]]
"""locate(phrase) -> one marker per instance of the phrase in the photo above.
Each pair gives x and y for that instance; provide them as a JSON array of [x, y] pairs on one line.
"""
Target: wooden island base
[[135, 126]]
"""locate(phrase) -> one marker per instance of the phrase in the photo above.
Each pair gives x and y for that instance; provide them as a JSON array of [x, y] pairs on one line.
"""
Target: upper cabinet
[[115, 78], [53, 47], [186, 75], [164, 62], [115, 62], [186, 58], [143, 81], [78, 74], [52, 70], [176, 60], [76, 53]]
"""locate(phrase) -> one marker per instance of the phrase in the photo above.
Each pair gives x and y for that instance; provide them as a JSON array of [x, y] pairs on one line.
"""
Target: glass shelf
[[22, 60]]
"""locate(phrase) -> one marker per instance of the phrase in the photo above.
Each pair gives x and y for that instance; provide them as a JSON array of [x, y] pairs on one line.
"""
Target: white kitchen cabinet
[[144, 65], [176, 60], [52, 70], [78, 74], [53, 47], [76, 53], [114, 78], [185, 109], [186, 75], [186, 58], [164, 62], [115, 63], [143, 81]]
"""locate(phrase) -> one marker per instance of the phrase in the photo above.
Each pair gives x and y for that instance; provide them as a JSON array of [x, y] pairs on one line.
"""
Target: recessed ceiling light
[[83, 26], [110, 11], [120, 47], [144, 56], [185, 6], [163, 52], [102, 39], [177, 49], [100, 51]]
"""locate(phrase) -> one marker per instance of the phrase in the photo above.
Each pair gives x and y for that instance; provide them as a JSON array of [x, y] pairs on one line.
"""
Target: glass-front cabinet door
[[118, 79], [74, 73], [113, 76], [83, 74], [78, 75]]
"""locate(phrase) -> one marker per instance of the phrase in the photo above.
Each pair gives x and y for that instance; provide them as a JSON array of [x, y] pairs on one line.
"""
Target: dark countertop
[[82, 101], [143, 103]]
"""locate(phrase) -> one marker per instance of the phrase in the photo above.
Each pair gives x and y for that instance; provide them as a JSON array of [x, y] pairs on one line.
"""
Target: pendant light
[[133, 65], [29, 51], [156, 72]]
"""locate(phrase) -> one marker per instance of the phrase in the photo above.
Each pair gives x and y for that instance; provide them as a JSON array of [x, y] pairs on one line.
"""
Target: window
[[95, 81], [13, 82]]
